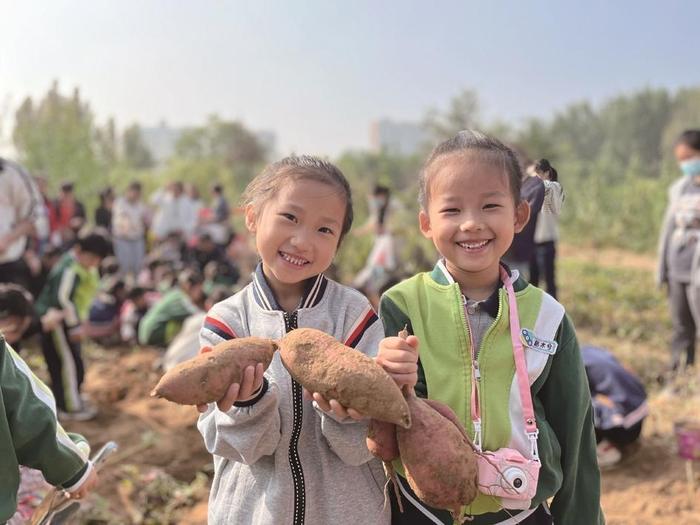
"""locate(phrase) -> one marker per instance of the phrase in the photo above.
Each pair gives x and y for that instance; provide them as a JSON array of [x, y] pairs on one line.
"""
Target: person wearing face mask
[[679, 251]]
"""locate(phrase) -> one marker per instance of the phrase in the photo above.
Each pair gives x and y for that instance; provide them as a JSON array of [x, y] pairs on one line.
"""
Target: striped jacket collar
[[314, 288], [441, 275]]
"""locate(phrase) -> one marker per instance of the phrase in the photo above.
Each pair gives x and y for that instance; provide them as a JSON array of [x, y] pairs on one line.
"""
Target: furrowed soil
[[161, 473]]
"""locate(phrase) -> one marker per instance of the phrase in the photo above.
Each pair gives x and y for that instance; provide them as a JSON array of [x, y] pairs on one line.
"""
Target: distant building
[[399, 138]]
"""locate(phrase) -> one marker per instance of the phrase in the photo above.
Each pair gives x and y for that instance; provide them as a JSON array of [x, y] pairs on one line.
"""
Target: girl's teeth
[[473, 245], [293, 260]]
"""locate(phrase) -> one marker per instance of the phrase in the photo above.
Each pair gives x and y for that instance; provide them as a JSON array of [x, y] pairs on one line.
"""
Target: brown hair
[[469, 141], [266, 184]]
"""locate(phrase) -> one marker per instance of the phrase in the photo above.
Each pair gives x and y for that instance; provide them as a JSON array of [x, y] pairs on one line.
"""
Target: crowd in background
[[142, 271]]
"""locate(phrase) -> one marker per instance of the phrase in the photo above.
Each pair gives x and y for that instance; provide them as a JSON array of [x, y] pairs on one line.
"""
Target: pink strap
[[520, 368], [519, 356]]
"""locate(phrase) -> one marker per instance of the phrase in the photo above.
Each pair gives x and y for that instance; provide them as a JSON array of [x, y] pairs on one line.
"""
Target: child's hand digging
[[246, 390]]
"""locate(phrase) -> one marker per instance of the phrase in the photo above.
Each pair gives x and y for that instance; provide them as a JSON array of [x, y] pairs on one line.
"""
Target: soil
[[158, 441]]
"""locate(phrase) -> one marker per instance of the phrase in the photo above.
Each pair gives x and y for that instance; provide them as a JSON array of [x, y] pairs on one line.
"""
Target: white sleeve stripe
[[64, 290], [43, 394], [75, 486]]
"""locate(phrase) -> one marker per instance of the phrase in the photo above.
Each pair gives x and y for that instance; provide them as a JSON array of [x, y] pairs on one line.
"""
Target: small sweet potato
[[381, 440], [205, 378], [439, 462], [324, 365]]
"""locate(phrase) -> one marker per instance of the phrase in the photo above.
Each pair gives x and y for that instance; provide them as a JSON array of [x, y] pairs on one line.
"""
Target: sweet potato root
[[439, 462], [381, 440], [322, 364], [205, 378]]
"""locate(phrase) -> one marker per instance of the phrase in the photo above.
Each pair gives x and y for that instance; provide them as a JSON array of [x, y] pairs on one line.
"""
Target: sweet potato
[[381, 440], [205, 378], [324, 365], [439, 462]]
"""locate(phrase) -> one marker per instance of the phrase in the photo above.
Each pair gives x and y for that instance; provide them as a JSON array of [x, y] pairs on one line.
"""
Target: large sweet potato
[[381, 440], [205, 378], [439, 462], [322, 364]]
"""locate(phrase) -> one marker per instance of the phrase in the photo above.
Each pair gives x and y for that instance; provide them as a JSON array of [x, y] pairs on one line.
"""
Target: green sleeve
[[395, 320], [567, 403], [37, 438]]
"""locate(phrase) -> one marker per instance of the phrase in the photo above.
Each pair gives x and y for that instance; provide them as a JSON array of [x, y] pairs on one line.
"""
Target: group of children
[[284, 455]]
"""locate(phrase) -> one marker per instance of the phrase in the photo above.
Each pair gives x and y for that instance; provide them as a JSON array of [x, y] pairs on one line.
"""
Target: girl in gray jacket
[[281, 455]]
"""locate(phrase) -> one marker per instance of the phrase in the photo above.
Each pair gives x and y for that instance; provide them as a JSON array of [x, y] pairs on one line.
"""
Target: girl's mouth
[[473, 246], [293, 259]]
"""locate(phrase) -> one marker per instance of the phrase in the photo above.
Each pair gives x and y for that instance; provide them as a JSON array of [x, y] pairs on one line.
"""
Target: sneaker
[[84, 413], [608, 454]]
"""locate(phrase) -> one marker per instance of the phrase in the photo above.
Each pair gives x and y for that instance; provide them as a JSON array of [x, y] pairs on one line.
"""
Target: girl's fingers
[[355, 414], [338, 409], [393, 367], [230, 398], [321, 402]]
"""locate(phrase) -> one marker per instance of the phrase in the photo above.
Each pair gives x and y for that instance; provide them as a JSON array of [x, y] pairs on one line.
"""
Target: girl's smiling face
[[471, 216], [297, 232]]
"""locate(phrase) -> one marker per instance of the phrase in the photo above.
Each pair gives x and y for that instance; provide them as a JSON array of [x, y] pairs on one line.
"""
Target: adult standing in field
[[547, 227], [521, 251], [679, 250], [129, 220], [172, 210], [21, 215], [70, 216]]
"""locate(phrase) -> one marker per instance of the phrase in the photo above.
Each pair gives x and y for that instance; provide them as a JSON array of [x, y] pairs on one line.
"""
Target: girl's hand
[[246, 390], [86, 487], [333, 406], [399, 357]]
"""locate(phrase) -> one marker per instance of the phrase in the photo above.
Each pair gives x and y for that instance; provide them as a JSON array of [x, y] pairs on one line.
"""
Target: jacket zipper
[[290, 323], [477, 352]]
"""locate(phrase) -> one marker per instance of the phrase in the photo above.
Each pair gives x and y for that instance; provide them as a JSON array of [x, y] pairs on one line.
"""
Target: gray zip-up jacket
[[278, 458]]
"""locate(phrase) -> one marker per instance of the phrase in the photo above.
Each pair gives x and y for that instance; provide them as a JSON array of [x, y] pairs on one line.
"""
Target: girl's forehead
[[468, 172]]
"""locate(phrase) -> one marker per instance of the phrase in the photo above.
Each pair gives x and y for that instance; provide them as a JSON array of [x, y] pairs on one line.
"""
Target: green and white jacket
[[30, 434], [431, 305]]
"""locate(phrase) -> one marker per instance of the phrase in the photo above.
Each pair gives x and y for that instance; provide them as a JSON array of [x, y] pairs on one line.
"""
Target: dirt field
[[161, 473]]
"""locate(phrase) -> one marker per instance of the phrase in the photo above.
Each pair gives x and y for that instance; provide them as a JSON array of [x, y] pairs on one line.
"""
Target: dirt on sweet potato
[[324, 365], [206, 377]]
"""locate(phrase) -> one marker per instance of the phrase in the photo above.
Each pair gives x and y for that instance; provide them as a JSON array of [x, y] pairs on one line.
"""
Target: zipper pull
[[477, 372]]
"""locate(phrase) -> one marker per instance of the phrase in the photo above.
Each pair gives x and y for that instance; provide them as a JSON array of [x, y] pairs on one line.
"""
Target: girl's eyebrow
[[330, 220], [494, 194]]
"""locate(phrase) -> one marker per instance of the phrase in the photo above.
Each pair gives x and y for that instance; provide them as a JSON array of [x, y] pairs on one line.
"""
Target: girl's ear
[[522, 215], [424, 223], [250, 218]]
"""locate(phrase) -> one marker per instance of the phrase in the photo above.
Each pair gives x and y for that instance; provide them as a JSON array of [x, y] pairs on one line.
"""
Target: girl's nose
[[471, 223]]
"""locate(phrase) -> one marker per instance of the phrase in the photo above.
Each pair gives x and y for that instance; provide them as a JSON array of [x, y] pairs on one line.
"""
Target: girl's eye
[[448, 211], [289, 216], [324, 229], [491, 206]]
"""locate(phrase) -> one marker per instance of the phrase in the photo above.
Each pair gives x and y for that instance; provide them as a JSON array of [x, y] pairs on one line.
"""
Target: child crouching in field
[[280, 457], [463, 314]]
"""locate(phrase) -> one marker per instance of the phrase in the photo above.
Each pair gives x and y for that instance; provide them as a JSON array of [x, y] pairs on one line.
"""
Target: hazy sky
[[318, 72]]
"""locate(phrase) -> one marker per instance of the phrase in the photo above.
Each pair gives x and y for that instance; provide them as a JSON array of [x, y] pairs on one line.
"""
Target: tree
[[56, 137], [136, 154], [462, 113], [228, 141]]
